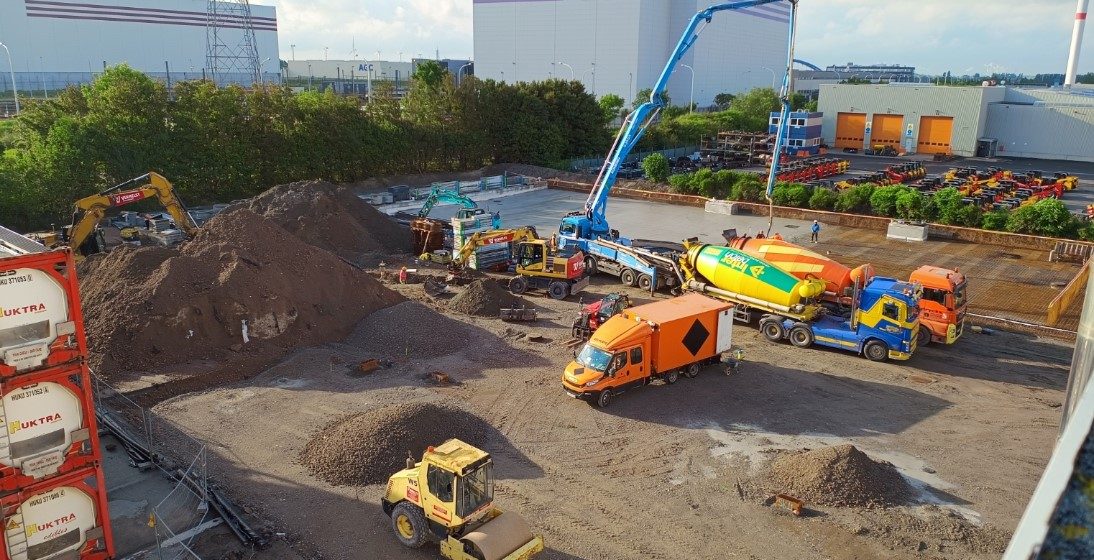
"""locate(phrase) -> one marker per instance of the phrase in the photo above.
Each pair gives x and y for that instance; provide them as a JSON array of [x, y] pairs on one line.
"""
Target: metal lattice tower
[[231, 52]]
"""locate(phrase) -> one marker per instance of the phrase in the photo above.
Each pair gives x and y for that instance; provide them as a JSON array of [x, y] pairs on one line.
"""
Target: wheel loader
[[448, 497]]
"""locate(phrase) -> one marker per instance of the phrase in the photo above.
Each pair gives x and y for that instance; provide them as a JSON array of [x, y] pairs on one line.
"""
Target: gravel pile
[[369, 447], [148, 307], [481, 297], [838, 476], [331, 218], [411, 330]]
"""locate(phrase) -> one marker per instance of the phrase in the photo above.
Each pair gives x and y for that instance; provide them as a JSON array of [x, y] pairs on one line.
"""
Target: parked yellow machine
[[449, 497]]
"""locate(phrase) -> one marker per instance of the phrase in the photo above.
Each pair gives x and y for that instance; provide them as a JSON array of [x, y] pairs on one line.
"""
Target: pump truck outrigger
[[448, 497], [588, 229]]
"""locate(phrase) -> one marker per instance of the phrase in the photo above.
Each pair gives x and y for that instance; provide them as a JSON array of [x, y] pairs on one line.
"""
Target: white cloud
[[411, 27]]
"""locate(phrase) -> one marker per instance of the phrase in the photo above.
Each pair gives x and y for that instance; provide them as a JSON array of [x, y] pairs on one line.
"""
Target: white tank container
[[34, 312], [41, 422], [50, 524]]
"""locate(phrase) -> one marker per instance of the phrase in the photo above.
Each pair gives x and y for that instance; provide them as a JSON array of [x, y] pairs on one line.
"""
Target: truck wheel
[[772, 329], [628, 277], [645, 282], [518, 285], [604, 398], [558, 290], [691, 371], [672, 376], [924, 337], [876, 351], [590, 265], [801, 336], [409, 525]]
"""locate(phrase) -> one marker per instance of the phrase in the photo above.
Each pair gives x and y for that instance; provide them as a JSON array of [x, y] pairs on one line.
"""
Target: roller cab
[[448, 497]]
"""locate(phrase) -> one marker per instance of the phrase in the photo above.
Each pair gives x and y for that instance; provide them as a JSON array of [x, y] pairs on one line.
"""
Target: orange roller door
[[886, 130], [850, 130], [935, 135]]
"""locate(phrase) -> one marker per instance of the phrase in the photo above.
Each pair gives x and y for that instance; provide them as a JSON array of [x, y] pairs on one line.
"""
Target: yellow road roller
[[448, 497]]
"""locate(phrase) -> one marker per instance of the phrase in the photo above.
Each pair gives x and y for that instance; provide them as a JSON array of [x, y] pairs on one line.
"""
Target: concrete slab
[[132, 495]]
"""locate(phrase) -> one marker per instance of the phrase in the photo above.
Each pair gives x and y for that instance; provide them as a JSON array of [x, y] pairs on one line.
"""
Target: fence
[[154, 442], [672, 153]]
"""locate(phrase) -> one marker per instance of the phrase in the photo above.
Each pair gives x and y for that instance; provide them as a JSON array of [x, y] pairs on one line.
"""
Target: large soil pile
[[411, 330], [481, 297], [150, 307], [369, 447], [838, 476], [331, 218]]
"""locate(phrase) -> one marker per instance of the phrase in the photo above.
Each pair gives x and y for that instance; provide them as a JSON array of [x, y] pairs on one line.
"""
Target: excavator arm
[[94, 207], [445, 197], [492, 237]]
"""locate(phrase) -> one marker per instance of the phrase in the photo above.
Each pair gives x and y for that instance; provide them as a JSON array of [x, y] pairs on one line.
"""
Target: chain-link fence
[[152, 441]]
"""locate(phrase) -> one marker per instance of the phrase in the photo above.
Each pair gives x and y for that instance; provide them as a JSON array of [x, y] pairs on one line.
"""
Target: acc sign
[[364, 67]]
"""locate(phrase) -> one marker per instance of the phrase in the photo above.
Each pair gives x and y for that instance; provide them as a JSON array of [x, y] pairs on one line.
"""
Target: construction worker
[[495, 220], [815, 229], [402, 275], [777, 236], [760, 234], [554, 242]]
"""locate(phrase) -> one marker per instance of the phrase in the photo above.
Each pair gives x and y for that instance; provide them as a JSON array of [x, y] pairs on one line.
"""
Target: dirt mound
[[411, 330], [369, 447], [242, 284], [331, 218], [481, 297], [838, 476]]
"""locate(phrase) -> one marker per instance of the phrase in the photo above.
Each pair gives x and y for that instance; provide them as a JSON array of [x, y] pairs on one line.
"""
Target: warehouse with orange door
[[984, 121]]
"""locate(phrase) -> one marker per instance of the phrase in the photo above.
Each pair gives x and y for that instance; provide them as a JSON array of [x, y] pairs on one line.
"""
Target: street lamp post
[[593, 70], [571, 69], [691, 99], [772, 76], [14, 88], [293, 47], [459, 73]]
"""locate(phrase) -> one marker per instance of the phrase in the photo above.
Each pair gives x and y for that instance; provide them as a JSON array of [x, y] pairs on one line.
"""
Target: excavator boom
[[94, 207]]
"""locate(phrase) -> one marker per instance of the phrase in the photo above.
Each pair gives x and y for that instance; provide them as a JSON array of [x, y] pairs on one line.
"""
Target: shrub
[[749, 189], [883, 200], [791, 194], [656, 167], [968, 216], [681, 183], [995, 220], [855, 199], [911, 205], [822, 199]]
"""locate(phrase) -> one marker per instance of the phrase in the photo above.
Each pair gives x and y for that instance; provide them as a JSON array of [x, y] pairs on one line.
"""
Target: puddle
[[286, 383]]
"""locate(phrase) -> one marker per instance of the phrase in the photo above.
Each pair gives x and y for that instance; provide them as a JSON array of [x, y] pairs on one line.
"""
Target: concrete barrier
[[903, 231], [721, 207]]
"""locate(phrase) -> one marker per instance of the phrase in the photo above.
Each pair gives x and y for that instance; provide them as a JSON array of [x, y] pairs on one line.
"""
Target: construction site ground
[[668, 471]]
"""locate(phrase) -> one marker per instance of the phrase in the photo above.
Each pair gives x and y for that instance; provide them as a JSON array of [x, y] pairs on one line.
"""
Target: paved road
[[633, 218]]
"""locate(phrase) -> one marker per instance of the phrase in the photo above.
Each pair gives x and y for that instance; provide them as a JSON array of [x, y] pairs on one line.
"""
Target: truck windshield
[[476, 489], [959, 295], [594, 358]]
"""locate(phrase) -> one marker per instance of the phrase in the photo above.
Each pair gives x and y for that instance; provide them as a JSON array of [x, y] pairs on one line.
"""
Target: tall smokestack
[[1076, 43]]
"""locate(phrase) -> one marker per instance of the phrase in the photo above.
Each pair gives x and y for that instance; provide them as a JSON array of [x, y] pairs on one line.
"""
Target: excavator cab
[[532, 257], [449, 497]]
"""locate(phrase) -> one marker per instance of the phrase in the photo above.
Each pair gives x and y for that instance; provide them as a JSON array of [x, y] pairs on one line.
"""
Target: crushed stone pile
[[485, 298], [331, 218], [369, 447], [838, 476], [411, 330], [151, 307]]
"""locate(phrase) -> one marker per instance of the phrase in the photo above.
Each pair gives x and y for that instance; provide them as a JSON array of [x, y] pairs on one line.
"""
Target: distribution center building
[[55, 43], [984, 121], [621, 46]]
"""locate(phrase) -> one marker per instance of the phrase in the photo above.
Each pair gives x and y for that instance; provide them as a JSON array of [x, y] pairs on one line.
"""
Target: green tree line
[[1047, 217], [220, 144]]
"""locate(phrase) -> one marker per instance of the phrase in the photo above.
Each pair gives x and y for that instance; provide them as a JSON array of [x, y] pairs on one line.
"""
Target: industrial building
[[357, 76], [621, 46], [983, 121], [56, 43]]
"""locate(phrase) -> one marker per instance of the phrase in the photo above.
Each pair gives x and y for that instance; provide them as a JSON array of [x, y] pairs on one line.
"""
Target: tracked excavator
[[448, 497], [84, 236]]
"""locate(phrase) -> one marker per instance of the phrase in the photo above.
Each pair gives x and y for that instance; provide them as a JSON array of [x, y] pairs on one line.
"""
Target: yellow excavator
[[538, 266], [84, 237], [448, 498]]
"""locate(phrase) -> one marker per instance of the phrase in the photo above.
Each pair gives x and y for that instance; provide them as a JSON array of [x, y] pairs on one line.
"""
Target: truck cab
[[943, 305], [614, 360]]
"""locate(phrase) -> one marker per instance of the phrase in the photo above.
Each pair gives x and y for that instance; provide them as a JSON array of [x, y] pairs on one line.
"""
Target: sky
[[962, 36]]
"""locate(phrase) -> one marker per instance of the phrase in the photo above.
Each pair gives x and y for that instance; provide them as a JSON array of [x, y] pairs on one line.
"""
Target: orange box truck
[[659, 340]]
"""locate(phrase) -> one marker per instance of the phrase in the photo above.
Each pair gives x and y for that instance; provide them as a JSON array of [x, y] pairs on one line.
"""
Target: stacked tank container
[[52, 491]]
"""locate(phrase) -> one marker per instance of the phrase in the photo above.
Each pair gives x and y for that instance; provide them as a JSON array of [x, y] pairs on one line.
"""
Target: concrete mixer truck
[[883, 321], [941, 309]]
